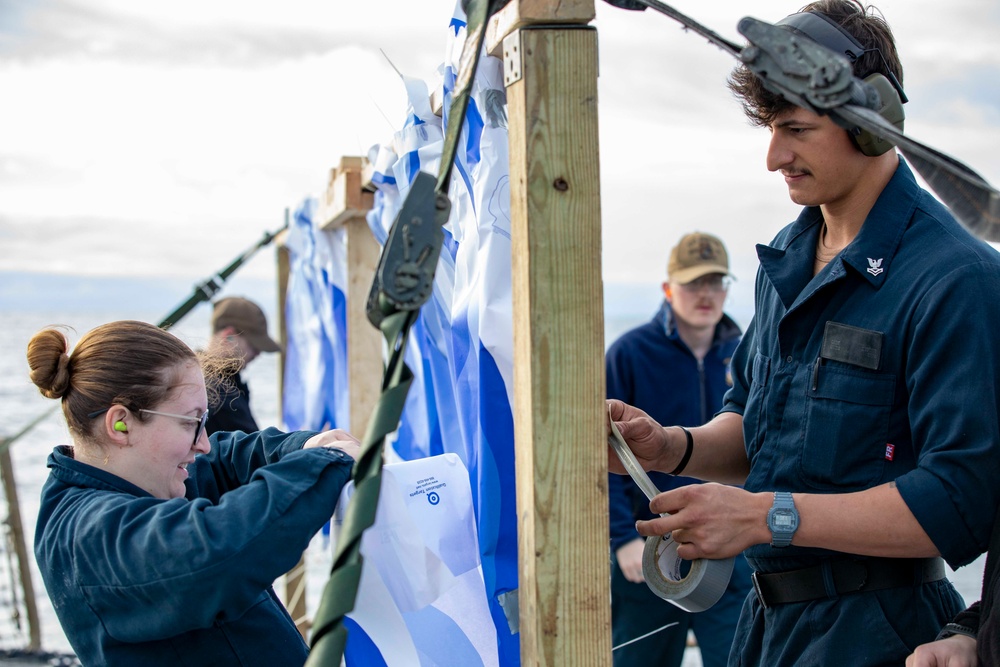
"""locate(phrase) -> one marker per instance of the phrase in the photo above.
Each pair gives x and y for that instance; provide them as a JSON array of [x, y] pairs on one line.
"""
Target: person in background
[[239, 333], [156, 543], [864, 418], [676, 369]]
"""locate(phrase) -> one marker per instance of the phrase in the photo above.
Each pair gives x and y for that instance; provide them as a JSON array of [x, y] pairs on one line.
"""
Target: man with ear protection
[[239, 333], [864, 418]]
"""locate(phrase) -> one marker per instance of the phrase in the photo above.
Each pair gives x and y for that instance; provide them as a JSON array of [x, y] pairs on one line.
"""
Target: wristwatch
[[782, 519]]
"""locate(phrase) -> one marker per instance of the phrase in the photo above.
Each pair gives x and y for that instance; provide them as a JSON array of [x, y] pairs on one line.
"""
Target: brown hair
[[130, 363], [863, 22]]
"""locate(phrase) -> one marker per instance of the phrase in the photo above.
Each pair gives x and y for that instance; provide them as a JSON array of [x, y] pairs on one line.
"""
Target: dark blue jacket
[[651, 368], [231, 411], [139, 581]]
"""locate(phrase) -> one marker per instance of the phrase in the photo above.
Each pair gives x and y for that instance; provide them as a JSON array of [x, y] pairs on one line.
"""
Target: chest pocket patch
[[851, 345]]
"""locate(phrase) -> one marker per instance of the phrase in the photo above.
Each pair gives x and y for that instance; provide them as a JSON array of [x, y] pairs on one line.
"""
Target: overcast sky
[[162, 138]]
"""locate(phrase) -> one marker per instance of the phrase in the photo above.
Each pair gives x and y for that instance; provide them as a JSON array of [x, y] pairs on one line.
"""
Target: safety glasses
[[201, 421]]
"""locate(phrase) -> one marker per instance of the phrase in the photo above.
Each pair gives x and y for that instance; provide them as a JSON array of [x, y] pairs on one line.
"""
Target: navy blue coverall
[[921, 407], [142, 581]]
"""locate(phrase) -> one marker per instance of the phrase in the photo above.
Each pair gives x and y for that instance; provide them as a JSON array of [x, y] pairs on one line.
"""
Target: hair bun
[[60, 383], [48, 358]]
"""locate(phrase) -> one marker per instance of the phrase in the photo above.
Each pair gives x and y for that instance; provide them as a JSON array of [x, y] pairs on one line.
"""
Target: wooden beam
[[559, 386], [519, 14], [346, 197], [282, 270], [346, 203], [364, 342]]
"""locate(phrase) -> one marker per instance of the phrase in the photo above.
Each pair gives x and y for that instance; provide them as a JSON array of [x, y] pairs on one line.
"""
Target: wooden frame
[[559, 383]]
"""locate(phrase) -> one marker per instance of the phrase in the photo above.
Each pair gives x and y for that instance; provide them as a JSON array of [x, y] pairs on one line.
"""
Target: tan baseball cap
[[247, 318], [697, 255]]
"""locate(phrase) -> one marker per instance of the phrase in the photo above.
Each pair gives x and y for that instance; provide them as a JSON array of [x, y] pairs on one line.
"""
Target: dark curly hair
[[867, 26]]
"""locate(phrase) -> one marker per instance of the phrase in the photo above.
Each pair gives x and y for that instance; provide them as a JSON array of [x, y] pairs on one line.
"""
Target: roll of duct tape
[[691, 585], [697, 589]]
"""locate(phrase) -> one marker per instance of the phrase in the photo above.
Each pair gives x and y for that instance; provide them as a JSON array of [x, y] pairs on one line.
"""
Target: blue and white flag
[[461, 349], [482, 341], [315, 393], [417, 145]]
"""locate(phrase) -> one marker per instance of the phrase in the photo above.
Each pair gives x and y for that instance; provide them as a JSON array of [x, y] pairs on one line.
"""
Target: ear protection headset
[[826, 32]]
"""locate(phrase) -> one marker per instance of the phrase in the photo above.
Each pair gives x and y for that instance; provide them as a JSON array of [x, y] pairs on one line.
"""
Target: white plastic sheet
[[422, 598]]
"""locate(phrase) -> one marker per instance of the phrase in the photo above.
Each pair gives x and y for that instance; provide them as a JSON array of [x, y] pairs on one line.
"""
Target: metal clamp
[[405, 274], [800, 70]]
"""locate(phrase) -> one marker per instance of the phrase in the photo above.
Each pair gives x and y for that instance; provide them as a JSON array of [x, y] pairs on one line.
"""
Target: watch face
[[783, 520]]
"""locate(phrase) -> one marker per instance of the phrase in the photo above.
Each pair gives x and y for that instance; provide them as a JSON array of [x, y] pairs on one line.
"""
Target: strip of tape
[[691, 585]]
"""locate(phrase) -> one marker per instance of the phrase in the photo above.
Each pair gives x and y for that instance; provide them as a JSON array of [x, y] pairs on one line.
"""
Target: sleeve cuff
[[955, 629]]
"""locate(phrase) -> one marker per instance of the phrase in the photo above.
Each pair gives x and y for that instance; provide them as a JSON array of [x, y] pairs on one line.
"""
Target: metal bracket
[[512, 58]]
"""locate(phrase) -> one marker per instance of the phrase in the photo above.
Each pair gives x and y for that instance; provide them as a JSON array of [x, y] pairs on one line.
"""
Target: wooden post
[[20, 548], [346, 203], [559, 385], [282, 269]]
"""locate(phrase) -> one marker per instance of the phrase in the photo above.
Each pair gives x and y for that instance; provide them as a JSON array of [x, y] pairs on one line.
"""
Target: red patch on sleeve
[[890, 452]]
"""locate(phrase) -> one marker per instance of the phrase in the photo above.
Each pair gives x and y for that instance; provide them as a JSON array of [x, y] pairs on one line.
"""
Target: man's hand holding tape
[[718, 521], [719, 456]]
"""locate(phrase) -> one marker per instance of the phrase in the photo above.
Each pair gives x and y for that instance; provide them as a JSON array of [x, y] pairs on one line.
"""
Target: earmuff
[[120, 426], [826, 32]]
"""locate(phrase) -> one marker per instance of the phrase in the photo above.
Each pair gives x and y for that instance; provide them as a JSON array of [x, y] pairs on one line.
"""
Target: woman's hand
[[336, 439]]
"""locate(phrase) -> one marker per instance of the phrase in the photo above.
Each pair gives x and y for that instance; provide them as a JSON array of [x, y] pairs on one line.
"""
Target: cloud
[[159, 33], [164, 137]]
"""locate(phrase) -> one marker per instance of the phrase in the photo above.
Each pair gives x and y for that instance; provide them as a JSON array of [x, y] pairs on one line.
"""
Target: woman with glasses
[[157, 544]]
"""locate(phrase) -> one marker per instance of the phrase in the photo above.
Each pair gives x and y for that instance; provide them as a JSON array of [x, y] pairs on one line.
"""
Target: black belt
[[841, 577]]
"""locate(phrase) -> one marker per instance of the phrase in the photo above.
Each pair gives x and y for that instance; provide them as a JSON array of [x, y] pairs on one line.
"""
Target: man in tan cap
[[239, 332], [676, 368]]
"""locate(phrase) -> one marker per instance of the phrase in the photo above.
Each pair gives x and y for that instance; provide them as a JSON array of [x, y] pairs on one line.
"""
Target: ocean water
[[20, 403]]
